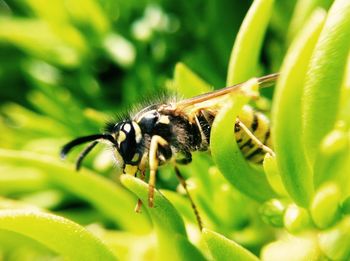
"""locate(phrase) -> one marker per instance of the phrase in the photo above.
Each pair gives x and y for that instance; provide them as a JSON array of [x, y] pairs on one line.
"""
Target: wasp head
[[127, 135], [124, 137]]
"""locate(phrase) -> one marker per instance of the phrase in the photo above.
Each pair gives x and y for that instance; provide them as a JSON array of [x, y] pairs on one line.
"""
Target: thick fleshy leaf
[[245, 54], [301, 14], [321, 96], [331, 160], [287, 133], [296, 219], [62, 236], [113, 201], [181, 204], [167, 223], [21, 180], [335, 242], [221, 248], [289, 248], [187, 83], [273, 176], [272, 212], [248, 179], [325, 206]]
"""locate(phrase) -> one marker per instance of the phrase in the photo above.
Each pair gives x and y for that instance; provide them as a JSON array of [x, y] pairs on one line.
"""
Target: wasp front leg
[[142, 170], [156, 141]]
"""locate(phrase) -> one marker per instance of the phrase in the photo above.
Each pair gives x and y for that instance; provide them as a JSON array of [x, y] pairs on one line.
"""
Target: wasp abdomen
[[257, 123]]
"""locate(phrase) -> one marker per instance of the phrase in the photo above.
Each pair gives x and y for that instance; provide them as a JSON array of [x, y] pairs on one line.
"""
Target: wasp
[[170, 131]]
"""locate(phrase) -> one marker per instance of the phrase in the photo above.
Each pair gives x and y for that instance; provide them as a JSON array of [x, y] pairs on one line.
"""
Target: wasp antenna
[[70, 145], [83, 154]]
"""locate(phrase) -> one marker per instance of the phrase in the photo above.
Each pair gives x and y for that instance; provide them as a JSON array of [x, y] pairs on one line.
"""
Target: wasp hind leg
[[156, 141], [254, 138], [193, 205]]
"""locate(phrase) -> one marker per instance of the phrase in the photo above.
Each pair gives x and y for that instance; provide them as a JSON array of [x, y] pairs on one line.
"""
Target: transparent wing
[[264, 81]]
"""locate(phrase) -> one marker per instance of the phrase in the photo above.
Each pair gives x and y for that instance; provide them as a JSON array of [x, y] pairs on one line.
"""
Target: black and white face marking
[[128, 136]]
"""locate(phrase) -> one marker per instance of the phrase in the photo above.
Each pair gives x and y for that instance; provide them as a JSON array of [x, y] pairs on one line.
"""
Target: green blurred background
[[68, 66]]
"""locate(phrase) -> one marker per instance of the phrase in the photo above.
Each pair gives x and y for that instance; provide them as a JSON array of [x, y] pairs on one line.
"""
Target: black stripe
[[255, 152], [267, 135], [237, 127], [255, 123], [247, 143]]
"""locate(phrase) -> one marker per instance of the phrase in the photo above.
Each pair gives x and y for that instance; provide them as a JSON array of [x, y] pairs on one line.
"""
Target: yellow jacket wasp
[[170, 131]]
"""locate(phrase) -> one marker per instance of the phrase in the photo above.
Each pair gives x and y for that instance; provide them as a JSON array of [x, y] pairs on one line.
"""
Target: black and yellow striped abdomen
[[259, 126], [257, 123]]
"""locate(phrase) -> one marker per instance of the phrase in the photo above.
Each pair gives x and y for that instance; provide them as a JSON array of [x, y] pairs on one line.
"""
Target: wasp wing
[[264, 81]]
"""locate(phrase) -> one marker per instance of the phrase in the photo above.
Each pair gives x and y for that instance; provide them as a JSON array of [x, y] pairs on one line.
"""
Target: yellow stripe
[[247, 117]]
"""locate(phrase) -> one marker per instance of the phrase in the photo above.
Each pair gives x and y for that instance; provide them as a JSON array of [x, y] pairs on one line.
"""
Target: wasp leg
[[142, 169], [139, 201], [193, 205], [153, 165], [254, 138], [187, 158]]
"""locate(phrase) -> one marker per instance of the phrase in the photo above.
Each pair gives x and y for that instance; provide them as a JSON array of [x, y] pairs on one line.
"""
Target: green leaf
[[88, 13], [344, 115], [301, 14], [181, 204], [187, 83], [221, 248], [325, 206], [248, 179], [120, 50], [331, 159], [321, 96], [164, 215], [335, 242], [19, 247], [272, 212], [7, 204], [21, 180], [111, 200], [296, 219], [273, 176], [64, 237], [289, 248], [40, 40], [287, 134], [245, 54], [167, 223], [345, 206]]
